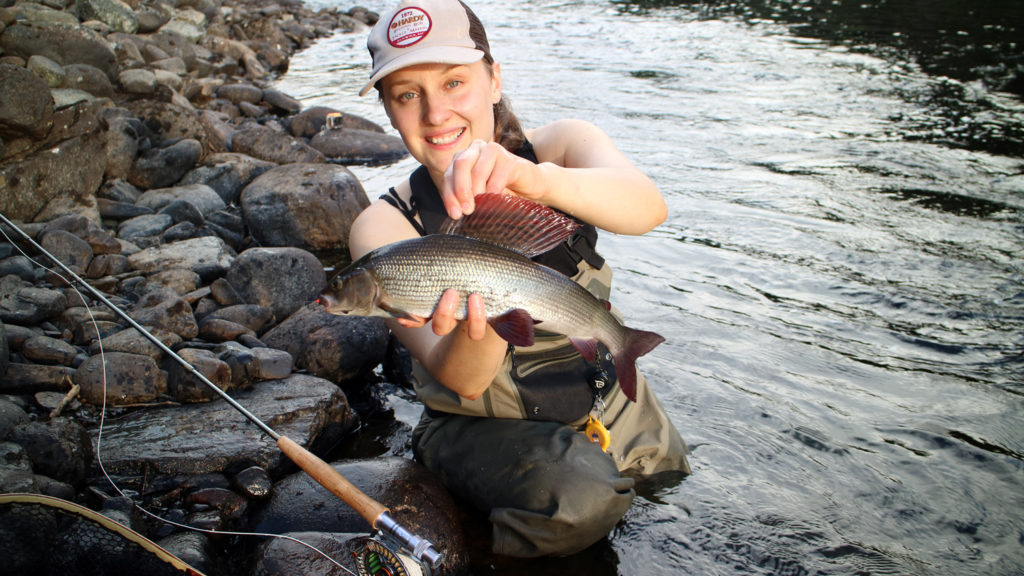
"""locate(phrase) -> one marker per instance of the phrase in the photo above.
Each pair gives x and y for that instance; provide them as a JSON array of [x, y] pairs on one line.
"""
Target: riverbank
[[140, 144]]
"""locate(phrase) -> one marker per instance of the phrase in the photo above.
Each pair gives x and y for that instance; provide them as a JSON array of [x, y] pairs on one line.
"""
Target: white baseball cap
[[420, 32]]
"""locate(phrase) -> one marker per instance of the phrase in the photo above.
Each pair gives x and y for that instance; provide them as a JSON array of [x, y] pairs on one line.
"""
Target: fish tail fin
[[638, 343]]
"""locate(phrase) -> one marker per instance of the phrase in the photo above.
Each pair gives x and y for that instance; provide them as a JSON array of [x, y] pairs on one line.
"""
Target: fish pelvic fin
[[514, 327], [514, 223], [638, 343]]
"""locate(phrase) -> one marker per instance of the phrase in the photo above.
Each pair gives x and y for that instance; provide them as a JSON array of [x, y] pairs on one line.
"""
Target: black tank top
[[425, 201]]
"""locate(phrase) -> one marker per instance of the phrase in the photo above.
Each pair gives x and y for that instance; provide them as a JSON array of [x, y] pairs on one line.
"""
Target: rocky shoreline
[[140, 145]]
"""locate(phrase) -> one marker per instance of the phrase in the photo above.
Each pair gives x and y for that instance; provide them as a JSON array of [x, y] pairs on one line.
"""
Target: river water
[[840, 279]]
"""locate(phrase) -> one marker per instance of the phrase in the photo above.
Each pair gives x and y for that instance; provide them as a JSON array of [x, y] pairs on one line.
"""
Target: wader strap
[[395, 200]]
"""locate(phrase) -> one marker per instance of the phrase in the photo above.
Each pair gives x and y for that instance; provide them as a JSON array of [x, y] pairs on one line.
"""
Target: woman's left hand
[[484, 167]]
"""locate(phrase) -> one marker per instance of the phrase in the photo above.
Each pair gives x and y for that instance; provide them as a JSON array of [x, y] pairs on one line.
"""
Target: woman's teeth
[[440, 141]]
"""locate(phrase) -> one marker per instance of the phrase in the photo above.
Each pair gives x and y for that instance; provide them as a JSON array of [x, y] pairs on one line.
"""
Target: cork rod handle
[[331, 479]]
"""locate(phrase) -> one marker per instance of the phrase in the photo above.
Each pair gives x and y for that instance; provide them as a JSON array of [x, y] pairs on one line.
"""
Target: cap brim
[[431, 55]]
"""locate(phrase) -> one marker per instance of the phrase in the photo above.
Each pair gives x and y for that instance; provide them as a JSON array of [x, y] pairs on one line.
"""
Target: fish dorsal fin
[[513, 223]]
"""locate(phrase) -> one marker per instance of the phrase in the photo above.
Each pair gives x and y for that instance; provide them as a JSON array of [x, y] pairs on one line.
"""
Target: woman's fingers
[[483, 167], [444, 319]]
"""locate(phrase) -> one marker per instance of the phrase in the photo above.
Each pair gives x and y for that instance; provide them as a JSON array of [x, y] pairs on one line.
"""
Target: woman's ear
[[495, 83]]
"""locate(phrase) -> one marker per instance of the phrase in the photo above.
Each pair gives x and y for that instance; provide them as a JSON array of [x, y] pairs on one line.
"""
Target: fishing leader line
[[103, 409]]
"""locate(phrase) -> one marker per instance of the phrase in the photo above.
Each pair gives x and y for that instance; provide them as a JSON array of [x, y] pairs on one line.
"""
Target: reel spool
[[379, 558]]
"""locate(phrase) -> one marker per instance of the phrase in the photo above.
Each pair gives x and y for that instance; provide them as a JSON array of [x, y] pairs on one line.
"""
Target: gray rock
[[115, 13], [19, 266], [129, 379], [122, 147], [59, 448], [21, 303], [282, 279], [280, 102], [281, 557], [183, 386], [173, 315], [46, 350], [119, 191], [40, 186], [252, 316], [213, 437], [193, 548], [11, 415], [32, 378], [137, 81], [311, 121], [71, 250], [253, 482], [304, 205], [202, 197], [144, 225], [49, 71], [89, 79], [131, 341], [162, 167], [16, 470], [339, 348], [268, 144], [5, 357], [107, 265], [238, 93], [227, 174], [353, 146], [201, 255], [219, 330], [62, 45], [26, 105], [99, 239], [427, 509]]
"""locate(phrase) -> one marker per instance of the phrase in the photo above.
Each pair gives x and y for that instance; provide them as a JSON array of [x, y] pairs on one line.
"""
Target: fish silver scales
[[414, 273]]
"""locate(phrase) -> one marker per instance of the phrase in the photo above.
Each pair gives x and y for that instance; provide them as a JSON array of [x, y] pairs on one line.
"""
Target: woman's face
[[439, 109]]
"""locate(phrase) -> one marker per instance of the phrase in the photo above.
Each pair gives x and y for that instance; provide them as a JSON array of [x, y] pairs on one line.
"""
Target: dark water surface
[[840, 280]]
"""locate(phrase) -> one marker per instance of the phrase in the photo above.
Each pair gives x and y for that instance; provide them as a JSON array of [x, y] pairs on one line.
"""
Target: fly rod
[[376, 514]]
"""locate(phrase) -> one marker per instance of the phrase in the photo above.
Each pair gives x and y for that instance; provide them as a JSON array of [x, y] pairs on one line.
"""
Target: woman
[[502, 424]]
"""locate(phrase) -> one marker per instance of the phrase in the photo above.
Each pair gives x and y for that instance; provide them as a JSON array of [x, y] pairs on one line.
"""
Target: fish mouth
[[331, 305]]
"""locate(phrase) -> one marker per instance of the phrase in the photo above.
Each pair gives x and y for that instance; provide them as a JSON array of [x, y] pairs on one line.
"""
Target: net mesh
[[42, 537]]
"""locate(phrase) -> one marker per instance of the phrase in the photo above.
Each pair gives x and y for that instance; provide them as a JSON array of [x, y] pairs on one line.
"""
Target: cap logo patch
[[408, 27]]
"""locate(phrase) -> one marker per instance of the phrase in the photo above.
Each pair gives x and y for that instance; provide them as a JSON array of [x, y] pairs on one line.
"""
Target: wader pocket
[[557, 384]]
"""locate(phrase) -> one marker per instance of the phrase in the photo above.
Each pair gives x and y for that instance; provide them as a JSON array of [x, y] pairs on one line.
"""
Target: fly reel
[[381, 556]]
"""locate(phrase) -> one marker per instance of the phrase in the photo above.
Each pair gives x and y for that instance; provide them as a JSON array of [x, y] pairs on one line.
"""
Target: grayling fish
[[407, 278]]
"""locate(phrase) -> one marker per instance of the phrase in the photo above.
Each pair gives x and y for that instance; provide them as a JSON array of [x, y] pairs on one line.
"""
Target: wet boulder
[[26, 105], [183, 386], [353, 146], [125, 378], [285, 557], [25, 304], [339, 348], [415, 497], [272, 145], [206, 255], [313, 120], [162, 167], [204, 198], [281, 279], [305, 205], [114, 13], [214, 437], [64, 45], [227, 173], [59, 448]]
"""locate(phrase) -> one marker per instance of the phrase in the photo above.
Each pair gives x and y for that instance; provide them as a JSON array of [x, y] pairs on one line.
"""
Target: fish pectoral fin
[[587, 347], [403, 315], [514, 327]]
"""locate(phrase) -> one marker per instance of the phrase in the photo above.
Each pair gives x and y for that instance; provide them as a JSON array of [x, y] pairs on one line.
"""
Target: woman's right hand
[[444, 321]]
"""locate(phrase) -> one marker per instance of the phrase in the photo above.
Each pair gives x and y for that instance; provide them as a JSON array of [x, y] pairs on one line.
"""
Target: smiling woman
[[492, 429]]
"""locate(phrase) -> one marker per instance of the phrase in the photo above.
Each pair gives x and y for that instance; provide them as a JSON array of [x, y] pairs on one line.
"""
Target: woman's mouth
[[447, 138]]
